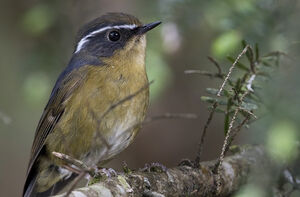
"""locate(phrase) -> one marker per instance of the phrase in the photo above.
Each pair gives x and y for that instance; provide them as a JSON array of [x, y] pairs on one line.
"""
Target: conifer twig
[[215, 105]]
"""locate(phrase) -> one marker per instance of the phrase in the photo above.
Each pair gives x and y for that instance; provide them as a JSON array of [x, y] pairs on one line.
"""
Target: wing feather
[[54, 110]]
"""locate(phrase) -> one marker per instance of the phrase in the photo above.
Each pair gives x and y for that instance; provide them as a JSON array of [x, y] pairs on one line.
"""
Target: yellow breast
[[82, 131]]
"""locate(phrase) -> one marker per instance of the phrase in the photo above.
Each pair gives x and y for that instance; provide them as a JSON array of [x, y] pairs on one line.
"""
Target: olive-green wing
[[62, 92]]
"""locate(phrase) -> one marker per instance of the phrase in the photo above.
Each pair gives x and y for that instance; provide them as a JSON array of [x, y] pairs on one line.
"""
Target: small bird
[[107, 65]]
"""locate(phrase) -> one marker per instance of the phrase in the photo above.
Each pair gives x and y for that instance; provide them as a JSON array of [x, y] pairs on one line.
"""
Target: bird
[[107, 65]]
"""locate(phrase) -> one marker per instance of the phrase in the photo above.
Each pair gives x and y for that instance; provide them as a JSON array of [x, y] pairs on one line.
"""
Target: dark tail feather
[[30, 188], [59, 186], [30, 184]]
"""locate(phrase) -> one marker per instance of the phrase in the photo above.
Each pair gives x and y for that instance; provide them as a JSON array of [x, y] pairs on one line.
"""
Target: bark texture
[[183, 180]]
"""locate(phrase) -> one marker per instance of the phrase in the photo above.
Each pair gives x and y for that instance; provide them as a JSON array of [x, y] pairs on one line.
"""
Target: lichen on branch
[[183, 179]]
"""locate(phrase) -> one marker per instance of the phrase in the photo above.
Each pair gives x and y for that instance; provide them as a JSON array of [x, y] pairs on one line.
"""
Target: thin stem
[[171, 116], [200, 146], [206, 73], [215, 105], [216, 64], [226, 142], [231, 69]]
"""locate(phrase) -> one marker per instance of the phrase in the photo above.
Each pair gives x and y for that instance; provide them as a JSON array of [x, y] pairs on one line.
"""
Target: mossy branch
[[183, 180]]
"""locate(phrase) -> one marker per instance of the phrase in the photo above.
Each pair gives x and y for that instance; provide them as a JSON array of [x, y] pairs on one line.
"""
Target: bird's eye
[[114, 36]]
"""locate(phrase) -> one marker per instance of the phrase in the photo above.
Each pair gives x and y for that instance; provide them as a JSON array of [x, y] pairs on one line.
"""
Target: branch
[[182, 180]]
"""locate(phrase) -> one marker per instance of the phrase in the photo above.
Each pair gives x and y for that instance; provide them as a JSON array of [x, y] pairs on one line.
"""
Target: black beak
[[148, 27]]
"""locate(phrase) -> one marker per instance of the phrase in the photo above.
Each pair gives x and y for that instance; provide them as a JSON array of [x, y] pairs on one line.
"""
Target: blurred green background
[[37, 40]]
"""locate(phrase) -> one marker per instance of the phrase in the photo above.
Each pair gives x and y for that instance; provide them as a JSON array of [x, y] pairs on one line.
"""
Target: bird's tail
[[29, 186], [47, 183]]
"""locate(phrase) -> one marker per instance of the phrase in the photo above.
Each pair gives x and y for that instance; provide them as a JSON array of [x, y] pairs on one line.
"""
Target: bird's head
[[113, 33]]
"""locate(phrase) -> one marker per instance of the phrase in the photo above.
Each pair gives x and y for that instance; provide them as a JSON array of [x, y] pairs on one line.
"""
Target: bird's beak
[[145, 28]]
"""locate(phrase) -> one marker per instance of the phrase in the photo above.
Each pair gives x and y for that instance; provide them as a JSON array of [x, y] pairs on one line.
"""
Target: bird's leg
[[154, 167], [92, 173], [72, 169], [75, 165], [187, 162]]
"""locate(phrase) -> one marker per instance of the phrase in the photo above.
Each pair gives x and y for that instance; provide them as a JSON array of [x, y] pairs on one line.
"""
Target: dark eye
[[114, 36]]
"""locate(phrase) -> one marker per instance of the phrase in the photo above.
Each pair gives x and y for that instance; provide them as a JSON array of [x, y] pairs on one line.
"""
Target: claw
[[154, 167], [108, 172], [187, 162]]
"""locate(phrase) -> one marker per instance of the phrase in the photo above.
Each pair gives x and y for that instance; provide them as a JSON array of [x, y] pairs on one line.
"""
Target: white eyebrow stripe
[[85, 38]]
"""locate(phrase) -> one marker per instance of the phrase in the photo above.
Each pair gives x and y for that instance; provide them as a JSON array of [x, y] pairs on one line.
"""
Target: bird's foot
[[106, 172], [187, 162], [101, 174], [154, 167]]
